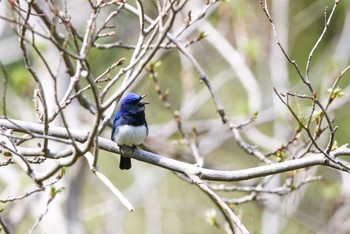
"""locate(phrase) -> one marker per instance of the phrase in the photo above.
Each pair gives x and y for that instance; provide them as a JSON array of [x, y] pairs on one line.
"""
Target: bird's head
[[132, 100]]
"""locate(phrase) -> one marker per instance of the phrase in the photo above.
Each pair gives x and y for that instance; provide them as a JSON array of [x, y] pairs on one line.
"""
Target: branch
[[186, 168], [327, 23], [90, 159], [229, 214], [4, 226]]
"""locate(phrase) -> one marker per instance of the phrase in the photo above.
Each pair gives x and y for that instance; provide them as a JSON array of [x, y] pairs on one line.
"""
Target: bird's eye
[[141, 106]]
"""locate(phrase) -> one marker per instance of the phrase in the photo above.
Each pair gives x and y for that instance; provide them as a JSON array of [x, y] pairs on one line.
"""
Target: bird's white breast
[[130, 135]]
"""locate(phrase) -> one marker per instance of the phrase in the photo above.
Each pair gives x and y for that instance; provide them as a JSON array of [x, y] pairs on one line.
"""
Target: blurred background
[[240, 56]]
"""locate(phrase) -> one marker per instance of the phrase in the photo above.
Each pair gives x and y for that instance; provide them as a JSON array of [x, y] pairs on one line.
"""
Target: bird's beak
[[144, 103]]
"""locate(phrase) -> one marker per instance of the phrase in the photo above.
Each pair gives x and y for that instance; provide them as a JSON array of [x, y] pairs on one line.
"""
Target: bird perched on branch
[[129, 125]]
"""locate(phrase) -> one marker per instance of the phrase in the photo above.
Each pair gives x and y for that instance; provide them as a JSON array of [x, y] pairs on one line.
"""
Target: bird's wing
[[117, 120]]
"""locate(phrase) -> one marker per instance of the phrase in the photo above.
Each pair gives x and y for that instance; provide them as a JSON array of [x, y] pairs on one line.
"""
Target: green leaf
[[335, 145], [335, 93], [200, 36], [211, 217], [53, 191], [154, 65]]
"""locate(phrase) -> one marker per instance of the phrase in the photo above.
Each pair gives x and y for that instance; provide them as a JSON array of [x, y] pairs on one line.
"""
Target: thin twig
[[231, 217], [327, 23]]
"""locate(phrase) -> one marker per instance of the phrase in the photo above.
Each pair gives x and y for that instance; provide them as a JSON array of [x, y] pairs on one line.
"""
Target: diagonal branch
[[229, 214]]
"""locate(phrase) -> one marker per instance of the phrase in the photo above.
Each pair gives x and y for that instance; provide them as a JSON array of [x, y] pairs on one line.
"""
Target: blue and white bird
[[129, 125]]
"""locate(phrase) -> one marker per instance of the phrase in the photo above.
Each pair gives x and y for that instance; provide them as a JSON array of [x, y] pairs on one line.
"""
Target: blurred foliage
[[19, 79]]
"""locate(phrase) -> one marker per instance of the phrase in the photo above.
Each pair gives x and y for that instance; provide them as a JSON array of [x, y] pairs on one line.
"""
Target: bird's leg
[[133, 148], [121, 149]]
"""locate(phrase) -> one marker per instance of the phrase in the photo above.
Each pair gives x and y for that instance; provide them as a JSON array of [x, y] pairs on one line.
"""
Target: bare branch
[[174, 165], [230, 215]]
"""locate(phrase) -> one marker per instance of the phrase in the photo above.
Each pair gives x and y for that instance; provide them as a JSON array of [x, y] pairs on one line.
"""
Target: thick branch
[[185, 168]]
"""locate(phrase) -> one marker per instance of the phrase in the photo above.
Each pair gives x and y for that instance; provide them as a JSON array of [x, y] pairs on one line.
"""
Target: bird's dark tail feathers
[[125, 163]]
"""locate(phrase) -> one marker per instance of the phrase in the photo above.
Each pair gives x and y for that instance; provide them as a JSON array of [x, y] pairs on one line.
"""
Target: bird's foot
[[123, 147], [133, 147]]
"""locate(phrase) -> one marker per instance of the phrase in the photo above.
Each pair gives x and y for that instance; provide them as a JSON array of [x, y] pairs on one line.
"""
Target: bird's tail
[[125, 163]]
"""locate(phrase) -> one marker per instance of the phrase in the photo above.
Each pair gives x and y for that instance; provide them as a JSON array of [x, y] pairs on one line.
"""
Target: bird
[[129, 125]]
